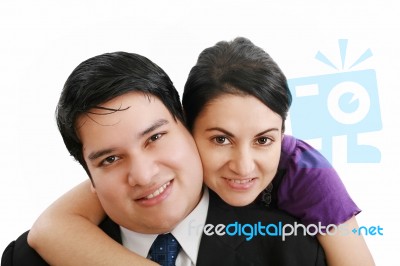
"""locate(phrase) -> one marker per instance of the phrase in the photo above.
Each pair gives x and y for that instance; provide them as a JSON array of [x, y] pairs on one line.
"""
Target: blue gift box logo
[[344, 103]]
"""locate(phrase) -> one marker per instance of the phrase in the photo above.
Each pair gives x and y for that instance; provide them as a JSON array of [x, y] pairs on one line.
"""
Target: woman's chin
[[238, 199]]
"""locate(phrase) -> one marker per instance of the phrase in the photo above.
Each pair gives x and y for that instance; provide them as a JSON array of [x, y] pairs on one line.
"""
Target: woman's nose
[[242, 162]]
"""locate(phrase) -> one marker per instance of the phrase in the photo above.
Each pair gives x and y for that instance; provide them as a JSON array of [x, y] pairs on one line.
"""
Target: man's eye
[[155, 137], [109, 160]]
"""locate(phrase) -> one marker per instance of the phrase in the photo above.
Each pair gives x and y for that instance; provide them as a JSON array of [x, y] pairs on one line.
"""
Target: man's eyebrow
[[153, 127], [97, 154]]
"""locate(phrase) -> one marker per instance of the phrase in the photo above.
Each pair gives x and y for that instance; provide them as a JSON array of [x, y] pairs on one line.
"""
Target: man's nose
[[142, 170]]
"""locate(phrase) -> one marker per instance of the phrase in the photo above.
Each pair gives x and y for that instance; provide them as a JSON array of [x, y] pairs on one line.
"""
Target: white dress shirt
[[188, 233]]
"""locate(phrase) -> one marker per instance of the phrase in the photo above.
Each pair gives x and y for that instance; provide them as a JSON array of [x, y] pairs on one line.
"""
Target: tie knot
[[164, 250]]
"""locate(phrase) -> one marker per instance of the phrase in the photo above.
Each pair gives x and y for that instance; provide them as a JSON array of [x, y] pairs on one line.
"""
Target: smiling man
[[134, 173], [120, 117]]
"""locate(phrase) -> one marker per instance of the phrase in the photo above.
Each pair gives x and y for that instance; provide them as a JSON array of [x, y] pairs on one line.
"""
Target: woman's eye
[[263, 140], [221, 140]]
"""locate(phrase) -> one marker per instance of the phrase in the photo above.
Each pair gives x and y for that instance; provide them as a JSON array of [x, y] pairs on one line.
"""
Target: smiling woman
[[239, 159], [236, 101], [236, 93]]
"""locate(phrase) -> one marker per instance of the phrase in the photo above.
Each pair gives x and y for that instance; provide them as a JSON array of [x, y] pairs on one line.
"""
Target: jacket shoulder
[[19, 253]]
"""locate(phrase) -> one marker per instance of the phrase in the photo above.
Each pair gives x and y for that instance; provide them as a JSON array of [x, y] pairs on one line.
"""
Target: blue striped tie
[[164, 250]]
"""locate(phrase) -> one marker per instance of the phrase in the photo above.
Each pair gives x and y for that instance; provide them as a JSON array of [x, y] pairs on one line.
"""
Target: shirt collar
[[188, 232]]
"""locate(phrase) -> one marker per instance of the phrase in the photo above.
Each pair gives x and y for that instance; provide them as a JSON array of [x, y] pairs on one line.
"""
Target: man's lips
[[155, 192], [158, 191]]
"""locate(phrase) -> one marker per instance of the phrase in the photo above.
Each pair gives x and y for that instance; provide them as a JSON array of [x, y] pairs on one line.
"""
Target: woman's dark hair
[[237, 67]]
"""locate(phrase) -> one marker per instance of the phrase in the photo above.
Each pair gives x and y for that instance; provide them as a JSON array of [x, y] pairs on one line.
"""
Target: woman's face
[[239, 141]]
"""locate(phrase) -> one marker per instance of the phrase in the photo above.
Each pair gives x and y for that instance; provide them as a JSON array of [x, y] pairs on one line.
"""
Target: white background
[[42, 41]]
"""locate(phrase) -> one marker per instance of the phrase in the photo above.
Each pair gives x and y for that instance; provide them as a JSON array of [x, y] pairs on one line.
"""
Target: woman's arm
[[318, 195], [66, 233], [346, 249]]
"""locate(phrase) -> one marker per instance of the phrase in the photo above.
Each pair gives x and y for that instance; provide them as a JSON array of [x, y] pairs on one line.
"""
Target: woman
[[236, 100]]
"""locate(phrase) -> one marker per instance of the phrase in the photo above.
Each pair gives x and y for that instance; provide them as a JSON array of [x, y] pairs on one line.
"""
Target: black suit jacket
[[215, 249]]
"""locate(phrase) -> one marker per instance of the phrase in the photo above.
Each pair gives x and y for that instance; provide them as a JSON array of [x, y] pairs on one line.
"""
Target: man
[[121, 118]]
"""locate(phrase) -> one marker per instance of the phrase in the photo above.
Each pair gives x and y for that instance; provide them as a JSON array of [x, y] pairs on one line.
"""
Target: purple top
[[311, 190]]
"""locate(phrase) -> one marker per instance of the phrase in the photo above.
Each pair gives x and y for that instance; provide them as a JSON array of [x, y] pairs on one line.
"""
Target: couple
[[121, 118]]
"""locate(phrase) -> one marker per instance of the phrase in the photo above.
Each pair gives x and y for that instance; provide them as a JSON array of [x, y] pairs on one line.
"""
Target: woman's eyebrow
[[222, 130], [232, 135], [267, 131]]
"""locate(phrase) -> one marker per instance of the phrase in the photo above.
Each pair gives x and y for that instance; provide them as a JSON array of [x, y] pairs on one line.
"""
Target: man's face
[[145, 167]]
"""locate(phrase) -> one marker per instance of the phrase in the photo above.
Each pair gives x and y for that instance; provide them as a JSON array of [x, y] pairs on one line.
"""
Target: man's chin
[[162, 224]]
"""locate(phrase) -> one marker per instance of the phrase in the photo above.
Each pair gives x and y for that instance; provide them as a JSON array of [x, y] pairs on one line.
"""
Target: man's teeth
[[240, 181], [158, 191]]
